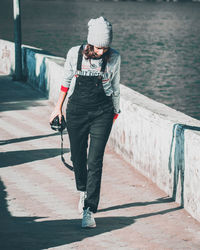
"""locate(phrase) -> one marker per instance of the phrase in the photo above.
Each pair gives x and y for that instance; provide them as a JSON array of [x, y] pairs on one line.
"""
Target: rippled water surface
[[159, 42]]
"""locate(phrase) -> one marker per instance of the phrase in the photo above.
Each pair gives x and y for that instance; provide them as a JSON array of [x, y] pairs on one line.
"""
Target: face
[[99, 51]]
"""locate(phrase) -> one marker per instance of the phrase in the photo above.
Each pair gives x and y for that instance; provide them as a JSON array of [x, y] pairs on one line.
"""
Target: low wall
[[40, 69], [160, 142], [43, 71], [163, 144]]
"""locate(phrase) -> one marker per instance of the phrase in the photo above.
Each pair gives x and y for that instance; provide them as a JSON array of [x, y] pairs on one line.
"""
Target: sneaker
[[83, 196], [88, 219]]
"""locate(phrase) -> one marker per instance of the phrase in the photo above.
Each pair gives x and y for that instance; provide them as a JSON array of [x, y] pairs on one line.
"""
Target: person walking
[[92, 83]]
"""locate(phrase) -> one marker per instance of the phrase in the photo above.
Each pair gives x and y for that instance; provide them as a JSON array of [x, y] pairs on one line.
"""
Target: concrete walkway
[[38, 199]]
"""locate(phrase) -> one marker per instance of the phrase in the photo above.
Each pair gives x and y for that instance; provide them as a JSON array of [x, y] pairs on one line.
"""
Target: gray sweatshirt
[[111, 76]]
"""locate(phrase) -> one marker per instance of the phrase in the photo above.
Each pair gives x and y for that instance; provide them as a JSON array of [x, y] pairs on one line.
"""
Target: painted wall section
[[7, 57], [43, 71], [162, 143]]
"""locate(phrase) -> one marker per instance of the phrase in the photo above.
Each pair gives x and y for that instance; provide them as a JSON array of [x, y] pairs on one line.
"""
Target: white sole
[[92, 226]]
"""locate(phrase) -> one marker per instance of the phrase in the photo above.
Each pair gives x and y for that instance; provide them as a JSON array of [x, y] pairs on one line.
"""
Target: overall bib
[[89, 116]]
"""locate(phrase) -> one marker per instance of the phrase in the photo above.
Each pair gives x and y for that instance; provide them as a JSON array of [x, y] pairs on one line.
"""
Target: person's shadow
[[28, 233], [178, 138], [13, 158]]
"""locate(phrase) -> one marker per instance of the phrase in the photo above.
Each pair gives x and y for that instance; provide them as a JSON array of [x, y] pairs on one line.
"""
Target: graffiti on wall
[[5, 60]]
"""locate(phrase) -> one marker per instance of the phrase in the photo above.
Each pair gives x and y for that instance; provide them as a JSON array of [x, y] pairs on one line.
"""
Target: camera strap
[[62, 153]]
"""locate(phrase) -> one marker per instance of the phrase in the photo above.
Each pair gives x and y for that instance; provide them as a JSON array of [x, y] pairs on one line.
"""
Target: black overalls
[[89, 113]]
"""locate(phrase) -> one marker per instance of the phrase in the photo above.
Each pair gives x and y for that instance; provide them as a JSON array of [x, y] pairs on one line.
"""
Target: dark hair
[[88, 52]]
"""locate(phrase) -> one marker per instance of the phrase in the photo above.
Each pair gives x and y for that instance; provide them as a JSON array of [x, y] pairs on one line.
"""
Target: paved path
[[38, 199]]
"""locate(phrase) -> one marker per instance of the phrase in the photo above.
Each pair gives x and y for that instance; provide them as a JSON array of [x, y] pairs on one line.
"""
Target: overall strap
[[103, 66], [80, 57], [62, 152]]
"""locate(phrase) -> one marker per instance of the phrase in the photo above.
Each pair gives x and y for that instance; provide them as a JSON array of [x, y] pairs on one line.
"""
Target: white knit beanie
[[99, 32]]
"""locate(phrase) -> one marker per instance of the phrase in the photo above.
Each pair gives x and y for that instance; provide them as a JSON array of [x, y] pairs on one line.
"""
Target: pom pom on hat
[[99, 32]]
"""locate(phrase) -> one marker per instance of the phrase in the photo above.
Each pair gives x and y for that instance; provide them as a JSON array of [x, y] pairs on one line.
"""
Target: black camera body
[[56, 125]]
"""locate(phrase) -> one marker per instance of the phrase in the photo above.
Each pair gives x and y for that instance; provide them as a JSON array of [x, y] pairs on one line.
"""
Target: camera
[[56, 125]]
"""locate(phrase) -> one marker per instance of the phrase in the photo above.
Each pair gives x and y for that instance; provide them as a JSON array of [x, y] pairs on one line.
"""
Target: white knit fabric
[[99, 32]]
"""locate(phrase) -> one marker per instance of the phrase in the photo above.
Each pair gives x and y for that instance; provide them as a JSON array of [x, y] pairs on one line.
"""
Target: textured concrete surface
[[38, 199], [163, 144]]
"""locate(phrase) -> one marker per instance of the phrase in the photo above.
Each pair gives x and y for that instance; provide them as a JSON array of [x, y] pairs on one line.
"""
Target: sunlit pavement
[[38, 198]]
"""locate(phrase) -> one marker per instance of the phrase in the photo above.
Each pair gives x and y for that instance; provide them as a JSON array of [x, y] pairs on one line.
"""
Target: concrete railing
[[41, 69], [162, 143]]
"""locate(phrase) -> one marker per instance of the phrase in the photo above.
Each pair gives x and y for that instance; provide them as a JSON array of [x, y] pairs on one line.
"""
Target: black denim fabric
[[94, 125]]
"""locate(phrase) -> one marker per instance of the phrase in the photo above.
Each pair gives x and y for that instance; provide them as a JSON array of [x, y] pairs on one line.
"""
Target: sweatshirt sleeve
[[116, 86], [68, 71]]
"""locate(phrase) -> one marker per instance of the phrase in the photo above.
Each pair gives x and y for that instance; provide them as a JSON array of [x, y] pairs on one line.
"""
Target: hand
[[54, 114]]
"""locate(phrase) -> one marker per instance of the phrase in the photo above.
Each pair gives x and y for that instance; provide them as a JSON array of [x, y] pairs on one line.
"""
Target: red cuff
[[115, 116], [64, 89]]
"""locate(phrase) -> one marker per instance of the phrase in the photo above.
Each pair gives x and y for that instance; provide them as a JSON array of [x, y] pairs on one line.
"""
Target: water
[[159, 42]]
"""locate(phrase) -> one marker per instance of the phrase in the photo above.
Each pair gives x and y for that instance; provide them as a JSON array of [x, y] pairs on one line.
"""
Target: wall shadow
[[28, 233], [13, 158], [34, 234], [178, 137], [28, 138], [138, 204], [17, 95], [18, 105], [37, 76]]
